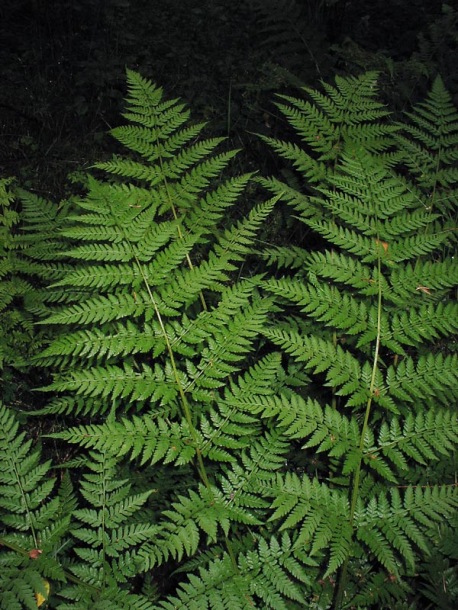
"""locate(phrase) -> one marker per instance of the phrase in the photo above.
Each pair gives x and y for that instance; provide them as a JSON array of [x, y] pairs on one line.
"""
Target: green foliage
[[28, 225], [33, 518], [429, 142], [232, 438], [16, 289], [369, 317]]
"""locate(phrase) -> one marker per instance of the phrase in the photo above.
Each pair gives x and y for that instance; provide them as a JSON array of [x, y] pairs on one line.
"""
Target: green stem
[[184, 400], [357, 476], [26, 504]]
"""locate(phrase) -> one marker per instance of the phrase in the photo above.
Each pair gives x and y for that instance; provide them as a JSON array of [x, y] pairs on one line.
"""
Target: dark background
[[63, 67]]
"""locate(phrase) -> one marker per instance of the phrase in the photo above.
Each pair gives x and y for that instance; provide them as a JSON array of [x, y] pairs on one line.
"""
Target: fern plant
[[42, 530], [16, 322], [370, 318], [157, 348], [28, 226], [33, 519], [429, 143], [236, 439]]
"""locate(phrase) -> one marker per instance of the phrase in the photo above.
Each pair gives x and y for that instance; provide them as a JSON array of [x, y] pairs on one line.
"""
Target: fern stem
[[187, 412], [26, 504], [357, 475], [184, 400], [180, 233]]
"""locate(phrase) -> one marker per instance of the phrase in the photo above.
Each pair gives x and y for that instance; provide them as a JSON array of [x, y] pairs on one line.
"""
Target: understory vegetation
[[226, 390]]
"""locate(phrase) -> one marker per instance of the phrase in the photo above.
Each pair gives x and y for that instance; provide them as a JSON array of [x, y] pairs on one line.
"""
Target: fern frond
[[270, 576], [292, 257], [436, 277], [203, 215], [418, 381], [429, 143], [145, 141], [239, 238], [28, 241], [323, 303], [422, 438], [108, 527], [242, 480], [139, 437], [33, 520], [234, 423], [373, 315], [125, 338], [228, 346], [204, 511], [25, 485], [101, 309], [321, 516], [426, 323], [347, 111], [393, 525], [342, 368]]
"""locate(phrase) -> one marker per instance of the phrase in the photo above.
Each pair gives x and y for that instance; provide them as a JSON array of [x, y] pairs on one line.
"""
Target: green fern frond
[[433, 278], [374, 589], [204, 511], [418, 381], [292, 257], [125, 338], [314, 171], [238, 240], [25, 485], [230, 344], [209, 210], [234, 422], [270, 576], [213, 588], [323, 303], [144, 140], [126, 382], [321, 516], [342, 368], [33, 520], [427, 323], [139, 437], [67, 405], [373, 318], [101, 309], [422, 438], [347, 112], [242, 480], [28, 228], [393, 526], [429, 143], [107, 531]]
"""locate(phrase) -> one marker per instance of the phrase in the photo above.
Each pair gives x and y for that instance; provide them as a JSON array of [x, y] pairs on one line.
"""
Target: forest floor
[[63, 67]]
